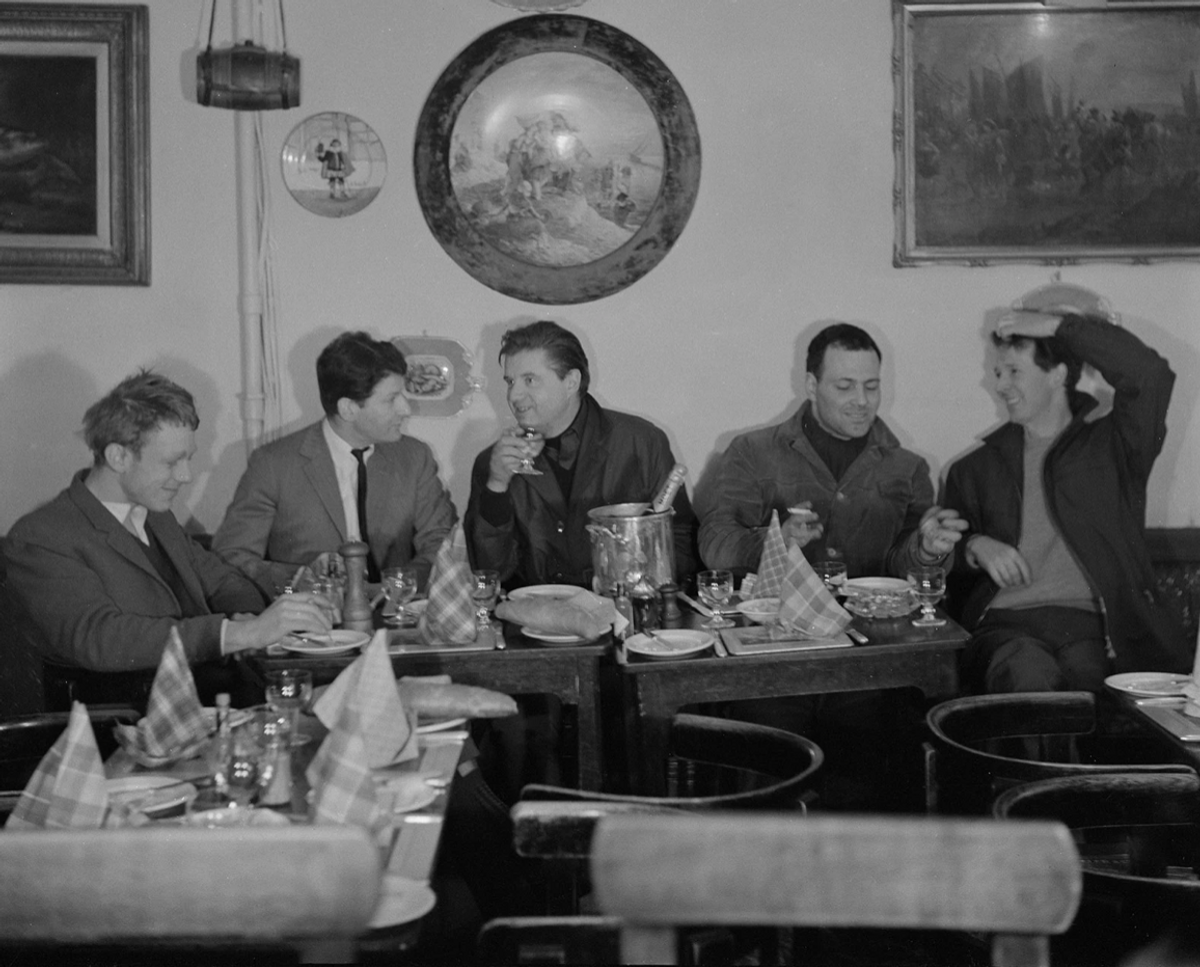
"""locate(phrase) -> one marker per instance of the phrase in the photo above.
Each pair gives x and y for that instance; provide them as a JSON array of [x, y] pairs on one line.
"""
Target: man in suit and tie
[[352, 476], [104, 570]]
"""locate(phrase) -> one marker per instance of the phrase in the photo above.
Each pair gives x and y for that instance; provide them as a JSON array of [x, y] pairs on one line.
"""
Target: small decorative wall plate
[[439, 380], [333, 164]]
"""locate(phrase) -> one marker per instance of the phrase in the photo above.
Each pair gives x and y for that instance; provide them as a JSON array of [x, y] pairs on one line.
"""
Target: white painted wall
[[793, 227]]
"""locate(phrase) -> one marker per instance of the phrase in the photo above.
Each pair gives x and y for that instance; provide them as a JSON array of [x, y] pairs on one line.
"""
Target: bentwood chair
[[1139, 839], [1017, 881], [180, 891], [25, 739], [981, 745]]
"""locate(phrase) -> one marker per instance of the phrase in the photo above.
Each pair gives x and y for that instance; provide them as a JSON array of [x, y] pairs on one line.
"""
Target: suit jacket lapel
[[118, 538], [318, 468], [172, 541]]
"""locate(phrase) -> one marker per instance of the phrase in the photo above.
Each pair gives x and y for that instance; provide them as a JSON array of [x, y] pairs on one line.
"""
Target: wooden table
[[524, 666], [1164, 718], [896, 655]]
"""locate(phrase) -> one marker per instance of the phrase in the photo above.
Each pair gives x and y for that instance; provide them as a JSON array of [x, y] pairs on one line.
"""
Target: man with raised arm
[[1061, 591], [104, 570], [298, 500]]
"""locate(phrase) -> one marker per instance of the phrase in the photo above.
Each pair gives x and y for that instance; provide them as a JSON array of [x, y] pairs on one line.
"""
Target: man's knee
[[1023, 664]]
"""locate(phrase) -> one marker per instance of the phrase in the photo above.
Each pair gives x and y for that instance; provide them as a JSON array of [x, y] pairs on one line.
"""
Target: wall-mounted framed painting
[[557, 159], [1051, 134], [74, 144]]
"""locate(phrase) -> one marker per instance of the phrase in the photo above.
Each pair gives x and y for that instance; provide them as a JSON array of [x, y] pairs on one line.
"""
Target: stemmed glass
[[399, 586], [485, 588], [527, 467], [715, 589], [929, 585], [288, 691]]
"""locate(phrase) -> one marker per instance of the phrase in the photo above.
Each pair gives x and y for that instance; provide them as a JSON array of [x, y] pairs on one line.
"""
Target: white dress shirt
[[345, 466]]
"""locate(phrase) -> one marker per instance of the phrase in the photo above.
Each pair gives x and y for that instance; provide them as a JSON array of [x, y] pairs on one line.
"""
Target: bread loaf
[[436, 700]]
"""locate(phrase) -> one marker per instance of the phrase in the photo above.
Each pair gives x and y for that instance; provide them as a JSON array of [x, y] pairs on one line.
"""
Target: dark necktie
[[372, 568]]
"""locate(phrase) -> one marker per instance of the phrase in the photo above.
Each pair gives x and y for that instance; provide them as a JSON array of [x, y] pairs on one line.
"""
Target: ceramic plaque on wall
[[333, 164], [438, 381], [557, 159]]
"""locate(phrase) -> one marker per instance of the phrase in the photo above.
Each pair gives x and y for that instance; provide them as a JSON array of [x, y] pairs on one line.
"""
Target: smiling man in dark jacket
[[1061, 588]]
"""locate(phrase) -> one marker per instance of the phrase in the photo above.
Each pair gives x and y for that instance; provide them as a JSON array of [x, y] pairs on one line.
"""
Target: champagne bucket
[[629, 547]]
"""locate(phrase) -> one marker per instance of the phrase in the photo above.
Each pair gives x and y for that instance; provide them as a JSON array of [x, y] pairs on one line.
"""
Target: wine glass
[[485, 588], [527, 467], [715, 589], [399, 586], [288, 691], [929, 585], [833, 573]]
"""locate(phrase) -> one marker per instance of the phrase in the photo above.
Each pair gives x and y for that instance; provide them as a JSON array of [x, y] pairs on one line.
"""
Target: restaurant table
[[415, 836], [524, 666], [1163, 718], [895, 655]]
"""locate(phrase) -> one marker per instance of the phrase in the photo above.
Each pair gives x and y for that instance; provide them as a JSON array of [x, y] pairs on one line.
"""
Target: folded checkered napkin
[[67, 790], [368, 684], [344, 790], [773, 566], [805, 604], [450, 615], [174, 719]]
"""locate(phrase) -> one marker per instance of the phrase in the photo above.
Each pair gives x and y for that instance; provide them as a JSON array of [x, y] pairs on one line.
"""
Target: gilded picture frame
[[74, 144], [1026, 132]]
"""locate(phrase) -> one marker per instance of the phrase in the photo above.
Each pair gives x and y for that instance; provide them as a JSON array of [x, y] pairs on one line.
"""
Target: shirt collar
[[129, 516], [341, 450]]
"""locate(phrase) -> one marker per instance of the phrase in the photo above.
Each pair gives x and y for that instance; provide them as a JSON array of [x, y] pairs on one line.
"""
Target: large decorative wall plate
[[333, 164], [557, 159]]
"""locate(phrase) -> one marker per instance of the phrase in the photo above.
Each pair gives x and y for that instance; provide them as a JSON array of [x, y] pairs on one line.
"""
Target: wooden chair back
[[1018, 881], [315, 887], [964, 770]]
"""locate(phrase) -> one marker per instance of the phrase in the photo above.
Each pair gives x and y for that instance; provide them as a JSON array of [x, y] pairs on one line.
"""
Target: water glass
[[485, 588], [399, 586], [929, 585], [288, 691], [715, 589]]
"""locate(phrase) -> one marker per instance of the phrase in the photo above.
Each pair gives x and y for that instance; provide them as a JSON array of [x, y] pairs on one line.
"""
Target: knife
[[696, 605]]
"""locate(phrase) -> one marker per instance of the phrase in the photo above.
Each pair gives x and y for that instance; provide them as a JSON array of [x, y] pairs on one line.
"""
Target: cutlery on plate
[[857, 635]]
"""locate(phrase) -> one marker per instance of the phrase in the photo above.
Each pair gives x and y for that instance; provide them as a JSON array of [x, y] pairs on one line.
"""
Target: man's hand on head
[[1003, 562], [1032, 325]]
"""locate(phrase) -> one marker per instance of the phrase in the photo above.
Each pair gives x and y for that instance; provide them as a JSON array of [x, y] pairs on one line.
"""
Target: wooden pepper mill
[[356, 606]]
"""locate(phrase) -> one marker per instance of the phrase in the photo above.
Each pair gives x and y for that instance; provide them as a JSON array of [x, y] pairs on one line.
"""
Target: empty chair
[[1139, 840], [1017, 881], [984, 744], [313, 888]]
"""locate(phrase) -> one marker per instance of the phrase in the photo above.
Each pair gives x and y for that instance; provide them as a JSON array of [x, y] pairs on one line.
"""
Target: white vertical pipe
[[250, 303]]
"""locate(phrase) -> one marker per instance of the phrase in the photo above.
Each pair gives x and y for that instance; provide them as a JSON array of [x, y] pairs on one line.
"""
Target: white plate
[[440, 725], [340, 642], [1149, 683], [670, 644], [551, 638], [412, 792], [400, 901], [544, 591], [129, 788]]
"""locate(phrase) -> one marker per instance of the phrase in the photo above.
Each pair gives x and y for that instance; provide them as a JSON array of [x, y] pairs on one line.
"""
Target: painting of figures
[[1051, 134]]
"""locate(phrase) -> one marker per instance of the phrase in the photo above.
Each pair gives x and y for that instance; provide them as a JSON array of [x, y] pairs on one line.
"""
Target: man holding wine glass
[[1061, 591], [531, 490]]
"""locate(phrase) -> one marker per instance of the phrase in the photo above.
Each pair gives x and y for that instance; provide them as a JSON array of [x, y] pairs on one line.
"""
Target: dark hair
[[840, 335], [563, 351], [352, 365], [135, 408], [1050, 351]]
